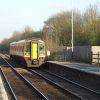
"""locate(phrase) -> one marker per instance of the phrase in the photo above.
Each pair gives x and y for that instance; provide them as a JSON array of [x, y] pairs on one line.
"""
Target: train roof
[[22, 41]]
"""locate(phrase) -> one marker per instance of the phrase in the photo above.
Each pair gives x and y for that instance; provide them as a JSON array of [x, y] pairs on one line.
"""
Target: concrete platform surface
[[80, 66], [3, 94]]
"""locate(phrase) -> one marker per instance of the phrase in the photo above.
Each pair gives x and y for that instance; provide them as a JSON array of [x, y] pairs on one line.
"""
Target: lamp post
[[72, 41]]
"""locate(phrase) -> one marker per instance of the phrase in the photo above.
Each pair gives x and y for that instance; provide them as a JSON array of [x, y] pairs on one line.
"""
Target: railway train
[[29, 52]]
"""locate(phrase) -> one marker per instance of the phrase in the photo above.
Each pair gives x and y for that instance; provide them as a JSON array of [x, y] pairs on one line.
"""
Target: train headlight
[[27, 53], [48, 53]]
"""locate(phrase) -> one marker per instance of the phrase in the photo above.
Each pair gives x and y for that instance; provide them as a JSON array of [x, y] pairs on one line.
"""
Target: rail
[[13, 96], [43, 97], [57, 85]]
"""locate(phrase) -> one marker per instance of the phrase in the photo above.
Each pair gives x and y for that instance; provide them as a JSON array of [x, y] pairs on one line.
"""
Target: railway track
[[73, 82], [48, 89], [71, 94], [10, 92], [72, 88], [20, 87]]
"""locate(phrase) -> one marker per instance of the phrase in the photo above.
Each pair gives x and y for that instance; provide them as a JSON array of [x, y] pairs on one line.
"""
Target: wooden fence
[[96, 58]]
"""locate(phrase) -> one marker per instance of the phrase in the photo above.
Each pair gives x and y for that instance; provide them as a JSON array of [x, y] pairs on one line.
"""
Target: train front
[[38, 52]]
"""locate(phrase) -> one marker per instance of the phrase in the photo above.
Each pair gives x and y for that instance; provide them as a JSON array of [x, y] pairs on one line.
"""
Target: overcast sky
[[16, 14]]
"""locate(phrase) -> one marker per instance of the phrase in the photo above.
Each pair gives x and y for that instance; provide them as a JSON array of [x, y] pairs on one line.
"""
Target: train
[[29, 52]]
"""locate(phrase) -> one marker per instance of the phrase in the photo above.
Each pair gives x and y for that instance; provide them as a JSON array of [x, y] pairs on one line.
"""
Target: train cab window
[[41, 49], [28, 47]]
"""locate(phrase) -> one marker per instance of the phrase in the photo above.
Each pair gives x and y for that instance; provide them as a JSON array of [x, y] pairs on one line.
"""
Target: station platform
[[80, 66], [3, 94]]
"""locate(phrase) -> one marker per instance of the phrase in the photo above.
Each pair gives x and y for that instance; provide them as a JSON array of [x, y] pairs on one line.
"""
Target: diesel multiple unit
[[30, 52]]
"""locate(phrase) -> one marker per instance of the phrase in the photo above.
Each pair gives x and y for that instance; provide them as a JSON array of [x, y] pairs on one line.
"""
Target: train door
[[34, 51]]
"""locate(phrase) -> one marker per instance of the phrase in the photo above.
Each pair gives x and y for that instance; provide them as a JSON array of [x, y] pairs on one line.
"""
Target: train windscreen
[[41, 48], [28, 47]]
